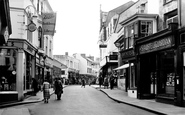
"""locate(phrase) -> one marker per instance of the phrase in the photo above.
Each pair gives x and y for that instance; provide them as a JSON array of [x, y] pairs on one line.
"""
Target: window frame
[[167, 1], [148, 26]]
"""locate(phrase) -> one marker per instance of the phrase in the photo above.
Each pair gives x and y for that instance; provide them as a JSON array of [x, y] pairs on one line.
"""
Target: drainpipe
[[179, 12]]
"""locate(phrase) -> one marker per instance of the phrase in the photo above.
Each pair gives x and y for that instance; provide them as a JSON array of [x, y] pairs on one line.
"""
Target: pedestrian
[[35, 86], [46, 92], [58, 88], [106, 82], [100, 80], [111, 81], [83, 83]]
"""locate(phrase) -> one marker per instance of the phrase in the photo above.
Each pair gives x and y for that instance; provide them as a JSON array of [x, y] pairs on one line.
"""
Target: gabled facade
[[108, 54], [154, 66], [89, 68], [137, 21]]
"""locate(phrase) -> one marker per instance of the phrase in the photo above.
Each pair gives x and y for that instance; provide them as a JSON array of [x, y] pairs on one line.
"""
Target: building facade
[[88, 67], [157, 57], [70, 68], [5, 31], [25, 52], [108, 35]]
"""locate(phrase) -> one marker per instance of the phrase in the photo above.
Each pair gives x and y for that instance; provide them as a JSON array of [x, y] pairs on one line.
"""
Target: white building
[[70, 67], [87, 66], [24, 53]]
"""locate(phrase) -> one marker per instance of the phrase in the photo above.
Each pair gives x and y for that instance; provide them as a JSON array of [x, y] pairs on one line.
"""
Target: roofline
[[138, 15]]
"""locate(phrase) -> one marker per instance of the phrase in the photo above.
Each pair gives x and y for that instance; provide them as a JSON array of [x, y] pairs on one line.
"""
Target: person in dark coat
[[100, 80], [58, 88], [83, 83], [111, 81], [35, 86], [106, 82]]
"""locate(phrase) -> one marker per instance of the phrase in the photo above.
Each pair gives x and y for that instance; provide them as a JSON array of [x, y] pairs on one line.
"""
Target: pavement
[[115, 94], [148, 104], [8, 109]]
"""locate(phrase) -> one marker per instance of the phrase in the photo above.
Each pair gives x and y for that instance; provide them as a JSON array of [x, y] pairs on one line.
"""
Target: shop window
[[28, 71], [167, 73], [182, 38], [8, 69], [132, 77]]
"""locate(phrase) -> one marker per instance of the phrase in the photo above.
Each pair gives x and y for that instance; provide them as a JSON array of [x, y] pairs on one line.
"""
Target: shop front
[[180, 89], [128, 58], [156, 58], [17, 67], [39, 70], [48, 69]]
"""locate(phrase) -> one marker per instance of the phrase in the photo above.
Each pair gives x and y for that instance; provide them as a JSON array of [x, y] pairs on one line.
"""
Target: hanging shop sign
[[113, 57], [156, 45], [102, 46], [49, 21], [32, 27]]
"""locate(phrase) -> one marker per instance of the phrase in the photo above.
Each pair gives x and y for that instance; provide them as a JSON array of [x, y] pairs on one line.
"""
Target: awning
[[123, 66]]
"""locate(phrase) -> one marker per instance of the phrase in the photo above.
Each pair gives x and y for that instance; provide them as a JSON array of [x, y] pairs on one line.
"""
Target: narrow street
[[83, 101]]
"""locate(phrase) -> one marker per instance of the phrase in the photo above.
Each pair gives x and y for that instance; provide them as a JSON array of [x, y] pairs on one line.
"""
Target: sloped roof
[[118, 10]]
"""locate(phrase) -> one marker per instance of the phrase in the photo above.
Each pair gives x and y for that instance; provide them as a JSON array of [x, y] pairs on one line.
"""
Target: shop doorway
[[148, 75]]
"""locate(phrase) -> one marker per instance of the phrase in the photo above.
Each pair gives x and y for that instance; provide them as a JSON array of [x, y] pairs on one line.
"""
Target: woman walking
[[46, 92]]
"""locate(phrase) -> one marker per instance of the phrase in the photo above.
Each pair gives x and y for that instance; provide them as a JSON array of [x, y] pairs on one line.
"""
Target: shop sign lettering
[[128, 54], [156, 45], [29, 49]]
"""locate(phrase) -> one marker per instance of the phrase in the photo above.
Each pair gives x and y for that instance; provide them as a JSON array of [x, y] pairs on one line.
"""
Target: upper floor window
[[172, 20], [167, 1], [114, 23], [40, 37], [146, 28]]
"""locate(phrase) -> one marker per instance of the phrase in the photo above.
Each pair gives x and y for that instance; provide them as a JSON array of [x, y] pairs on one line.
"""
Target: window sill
[[133, 88]]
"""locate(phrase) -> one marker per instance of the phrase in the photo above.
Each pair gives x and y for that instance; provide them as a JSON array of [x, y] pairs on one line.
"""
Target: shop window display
[[8, 69], [167, 74]]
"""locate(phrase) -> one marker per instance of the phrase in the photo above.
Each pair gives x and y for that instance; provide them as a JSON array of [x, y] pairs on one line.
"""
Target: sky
[[77, 25]]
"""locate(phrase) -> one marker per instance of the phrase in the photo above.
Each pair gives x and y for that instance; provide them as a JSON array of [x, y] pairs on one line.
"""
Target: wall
[[165, 9], [20, 3], [182, 12], [82, 65], [18, 26]]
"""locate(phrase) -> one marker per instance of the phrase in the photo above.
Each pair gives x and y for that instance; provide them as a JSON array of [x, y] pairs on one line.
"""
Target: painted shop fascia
[[157, 73]]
